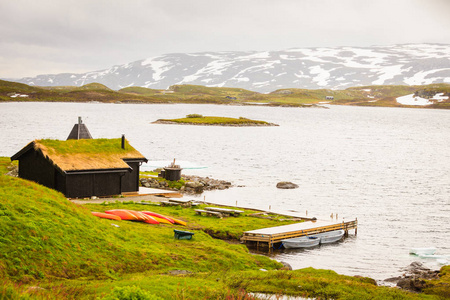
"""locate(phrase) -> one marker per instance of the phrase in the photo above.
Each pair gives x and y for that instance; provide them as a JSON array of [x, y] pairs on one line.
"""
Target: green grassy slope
[[51, 248], [86, 93], [45, 235]]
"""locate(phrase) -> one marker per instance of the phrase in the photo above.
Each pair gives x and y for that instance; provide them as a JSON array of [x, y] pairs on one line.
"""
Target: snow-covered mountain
[[310, 68]]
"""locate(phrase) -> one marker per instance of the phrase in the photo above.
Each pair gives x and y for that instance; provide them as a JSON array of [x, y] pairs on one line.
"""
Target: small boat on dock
[[330, 236], [301, 242]]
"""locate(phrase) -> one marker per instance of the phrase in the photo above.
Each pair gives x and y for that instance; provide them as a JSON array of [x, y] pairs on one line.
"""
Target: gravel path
[[145, 198]]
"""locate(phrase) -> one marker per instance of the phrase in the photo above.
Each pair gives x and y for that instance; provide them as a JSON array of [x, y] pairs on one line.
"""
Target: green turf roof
[[87, 154]]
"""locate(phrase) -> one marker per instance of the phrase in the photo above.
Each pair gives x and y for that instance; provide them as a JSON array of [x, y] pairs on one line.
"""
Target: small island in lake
[[196, 119]]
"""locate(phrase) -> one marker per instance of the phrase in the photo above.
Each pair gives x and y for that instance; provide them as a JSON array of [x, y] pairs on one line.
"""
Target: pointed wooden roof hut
[[82, 167]]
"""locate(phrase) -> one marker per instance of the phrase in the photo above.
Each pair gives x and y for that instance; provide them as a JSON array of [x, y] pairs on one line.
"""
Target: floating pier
[[273, 235]]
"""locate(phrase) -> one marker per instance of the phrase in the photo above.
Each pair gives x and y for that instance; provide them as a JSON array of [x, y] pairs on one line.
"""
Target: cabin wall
[[60, 182], [33, 166], [94, 184], [130, 181]]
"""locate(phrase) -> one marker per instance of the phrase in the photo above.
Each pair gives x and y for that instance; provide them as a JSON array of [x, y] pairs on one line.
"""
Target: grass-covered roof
[[87, 154]]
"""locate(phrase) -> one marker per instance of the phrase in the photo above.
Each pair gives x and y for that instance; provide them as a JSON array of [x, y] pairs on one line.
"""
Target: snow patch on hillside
[[416, 100], [423, 77]]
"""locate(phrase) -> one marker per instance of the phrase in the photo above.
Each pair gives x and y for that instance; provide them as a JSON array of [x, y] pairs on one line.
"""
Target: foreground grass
[[51, 248], [320, 284]]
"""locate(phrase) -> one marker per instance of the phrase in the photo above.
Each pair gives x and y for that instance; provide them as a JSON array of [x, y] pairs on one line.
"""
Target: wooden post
[[345, 229]]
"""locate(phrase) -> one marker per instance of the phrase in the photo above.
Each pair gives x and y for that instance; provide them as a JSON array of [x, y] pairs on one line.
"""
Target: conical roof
[[79, 131]]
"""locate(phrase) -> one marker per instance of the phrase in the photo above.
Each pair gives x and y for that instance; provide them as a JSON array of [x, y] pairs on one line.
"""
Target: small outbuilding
[[81, 168]]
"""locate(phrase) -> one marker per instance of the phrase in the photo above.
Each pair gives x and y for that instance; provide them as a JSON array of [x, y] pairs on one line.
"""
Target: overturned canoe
[[139, 215], [179, 222], [162, 221], [106, 216], [151, 220], [124, 214], [153, 214]]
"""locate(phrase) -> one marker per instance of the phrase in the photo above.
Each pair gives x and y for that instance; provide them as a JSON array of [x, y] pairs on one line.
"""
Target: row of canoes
[[141, 216], [313, 240]]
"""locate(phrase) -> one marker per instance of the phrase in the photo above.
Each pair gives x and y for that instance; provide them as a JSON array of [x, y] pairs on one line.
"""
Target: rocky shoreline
[[193, 184], [414, 277], [216, 124]]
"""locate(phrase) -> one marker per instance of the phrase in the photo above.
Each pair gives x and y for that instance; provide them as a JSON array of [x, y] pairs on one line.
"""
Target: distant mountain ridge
[[266, 71]]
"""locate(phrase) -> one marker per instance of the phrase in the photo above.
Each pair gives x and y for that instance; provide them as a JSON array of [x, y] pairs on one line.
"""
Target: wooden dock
[[273, 235]]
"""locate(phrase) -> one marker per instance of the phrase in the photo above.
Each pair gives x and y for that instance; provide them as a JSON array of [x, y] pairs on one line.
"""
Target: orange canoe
[[161, 220], [151, 220], [153, 214], [179, 222], [140, 216], [106, 216], [123, 214]]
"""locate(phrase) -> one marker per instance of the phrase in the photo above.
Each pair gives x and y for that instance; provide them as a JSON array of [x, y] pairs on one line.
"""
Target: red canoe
[[124, 214], [106, 216], [161, 220], [153, 214], [140, 216], [151, 220]]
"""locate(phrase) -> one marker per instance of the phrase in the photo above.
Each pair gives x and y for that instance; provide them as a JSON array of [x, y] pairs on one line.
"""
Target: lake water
[[388, 167]]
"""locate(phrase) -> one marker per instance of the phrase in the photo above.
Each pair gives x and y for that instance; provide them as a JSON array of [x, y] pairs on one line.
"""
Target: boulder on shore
[[286, 185], [414, 278]]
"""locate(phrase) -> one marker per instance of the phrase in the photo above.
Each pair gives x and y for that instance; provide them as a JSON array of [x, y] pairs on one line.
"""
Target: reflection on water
[[388, 167]]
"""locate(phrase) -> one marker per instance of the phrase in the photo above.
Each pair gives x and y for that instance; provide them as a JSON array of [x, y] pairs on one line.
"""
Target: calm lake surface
[[388, 167]]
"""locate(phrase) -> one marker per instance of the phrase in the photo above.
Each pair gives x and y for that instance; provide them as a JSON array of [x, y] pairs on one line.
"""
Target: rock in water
[[286, 185]]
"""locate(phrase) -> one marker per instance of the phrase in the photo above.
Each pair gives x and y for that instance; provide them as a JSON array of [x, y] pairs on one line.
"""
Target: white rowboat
[[314, 240], [301, 242], [330, 236]]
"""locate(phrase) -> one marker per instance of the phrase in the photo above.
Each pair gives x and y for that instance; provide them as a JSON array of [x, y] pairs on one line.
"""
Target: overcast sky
[[57, 36]]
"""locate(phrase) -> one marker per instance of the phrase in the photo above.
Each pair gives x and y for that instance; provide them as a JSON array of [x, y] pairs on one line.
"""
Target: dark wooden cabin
[[82, 168]]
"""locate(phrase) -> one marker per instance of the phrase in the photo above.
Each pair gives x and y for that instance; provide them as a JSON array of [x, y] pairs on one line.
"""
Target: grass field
[[51, 248]]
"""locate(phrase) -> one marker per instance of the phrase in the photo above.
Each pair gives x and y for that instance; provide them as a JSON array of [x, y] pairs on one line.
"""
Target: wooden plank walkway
[[272, 235]]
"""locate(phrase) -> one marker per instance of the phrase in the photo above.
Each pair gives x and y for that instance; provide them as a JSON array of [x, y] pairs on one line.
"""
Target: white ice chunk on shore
[[423, 251]]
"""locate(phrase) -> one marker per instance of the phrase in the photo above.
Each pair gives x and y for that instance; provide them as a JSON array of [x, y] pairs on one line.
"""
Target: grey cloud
[[91, 35]]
